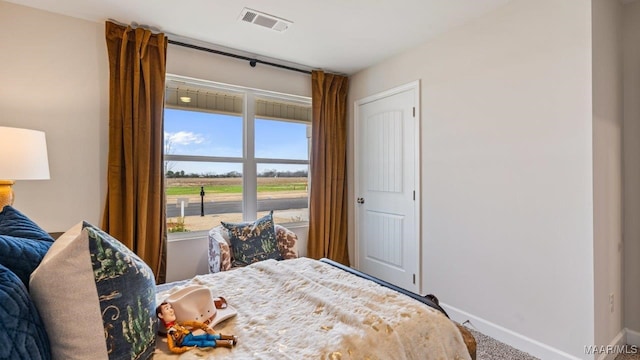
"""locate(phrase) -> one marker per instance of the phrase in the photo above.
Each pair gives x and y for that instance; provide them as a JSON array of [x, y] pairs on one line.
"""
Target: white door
[[387, 181]]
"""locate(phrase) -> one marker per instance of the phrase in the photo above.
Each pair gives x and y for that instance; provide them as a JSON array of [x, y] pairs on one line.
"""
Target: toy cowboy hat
[[195, 303]]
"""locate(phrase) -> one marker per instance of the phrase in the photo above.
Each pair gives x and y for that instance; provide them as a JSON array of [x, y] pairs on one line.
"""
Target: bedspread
[[306, 309]]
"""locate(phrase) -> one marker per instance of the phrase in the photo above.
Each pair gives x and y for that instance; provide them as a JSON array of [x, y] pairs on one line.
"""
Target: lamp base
[[6, 193]]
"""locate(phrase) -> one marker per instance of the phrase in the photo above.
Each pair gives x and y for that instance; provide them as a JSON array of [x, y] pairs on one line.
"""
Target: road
[[224, 207]]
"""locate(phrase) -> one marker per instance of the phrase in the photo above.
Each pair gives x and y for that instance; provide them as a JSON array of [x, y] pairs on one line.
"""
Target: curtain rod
[[251, 61]]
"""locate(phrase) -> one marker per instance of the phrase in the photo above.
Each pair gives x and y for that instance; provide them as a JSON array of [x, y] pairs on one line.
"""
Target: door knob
[[360, 200]]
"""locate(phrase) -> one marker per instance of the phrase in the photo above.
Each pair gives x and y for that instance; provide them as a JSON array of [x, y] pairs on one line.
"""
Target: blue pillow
[[23, 335], [15, 223], [253, 241], [22, 256]]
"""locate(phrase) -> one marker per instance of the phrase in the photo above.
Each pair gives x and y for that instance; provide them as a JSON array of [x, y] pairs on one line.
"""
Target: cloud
[[183, 138]]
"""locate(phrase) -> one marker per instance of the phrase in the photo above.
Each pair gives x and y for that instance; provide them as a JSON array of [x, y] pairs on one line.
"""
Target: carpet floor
[[628, 357], [492, 349]]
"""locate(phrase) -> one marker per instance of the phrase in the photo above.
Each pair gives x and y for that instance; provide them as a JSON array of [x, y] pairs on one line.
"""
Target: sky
[[208, 134]]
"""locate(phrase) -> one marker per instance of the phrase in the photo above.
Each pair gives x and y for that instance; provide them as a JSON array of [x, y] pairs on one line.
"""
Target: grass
[[224, 187], [195, 190]]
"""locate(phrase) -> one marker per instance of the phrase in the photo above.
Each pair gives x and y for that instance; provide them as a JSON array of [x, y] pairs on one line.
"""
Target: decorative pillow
[[214, 254], [22, 243], [23, 335], [22, 256], [287, 242], [219, 251], [15, 223], [253, 241], [99, 297]]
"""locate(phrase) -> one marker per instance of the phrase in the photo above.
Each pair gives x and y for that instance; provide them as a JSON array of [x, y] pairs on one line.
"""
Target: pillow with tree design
[[253, 241]]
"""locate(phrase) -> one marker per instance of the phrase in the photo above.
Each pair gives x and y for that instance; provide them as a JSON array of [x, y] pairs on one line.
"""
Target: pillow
[[99, 297], [23, 335], [22, 256], [15, 223], [23, 244], [214, 254], [253, 241]]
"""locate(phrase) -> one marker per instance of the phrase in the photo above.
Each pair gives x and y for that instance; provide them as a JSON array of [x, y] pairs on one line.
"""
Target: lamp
[[23, 156]]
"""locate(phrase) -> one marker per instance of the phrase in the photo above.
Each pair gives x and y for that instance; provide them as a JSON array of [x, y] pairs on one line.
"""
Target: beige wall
[[206, 66], [631, 141], [607, 169], [54, 75], [507, 212]]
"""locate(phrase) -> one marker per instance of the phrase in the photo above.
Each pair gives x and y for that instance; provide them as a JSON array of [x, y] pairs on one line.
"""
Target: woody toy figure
[[180, 338]]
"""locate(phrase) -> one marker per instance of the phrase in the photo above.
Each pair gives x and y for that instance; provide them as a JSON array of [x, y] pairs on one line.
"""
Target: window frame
[[248, 160]]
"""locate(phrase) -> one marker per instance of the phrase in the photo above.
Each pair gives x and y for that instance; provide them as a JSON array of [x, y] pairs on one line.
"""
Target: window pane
[[222, 200], [202, 133], [284, 189], [281, 140]]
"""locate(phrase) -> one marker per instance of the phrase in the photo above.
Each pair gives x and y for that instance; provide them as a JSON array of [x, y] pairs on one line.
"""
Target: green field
[[231, 189], [183, 187]]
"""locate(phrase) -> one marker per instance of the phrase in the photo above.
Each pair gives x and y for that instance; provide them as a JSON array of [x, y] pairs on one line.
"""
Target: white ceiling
[[342, 36]]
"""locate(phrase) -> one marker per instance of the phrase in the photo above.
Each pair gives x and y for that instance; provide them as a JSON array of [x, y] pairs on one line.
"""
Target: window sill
[[188, 235]]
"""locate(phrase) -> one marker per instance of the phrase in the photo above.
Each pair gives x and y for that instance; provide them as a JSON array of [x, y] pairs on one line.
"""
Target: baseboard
[[633, 337], [518, 341], [617, 343]]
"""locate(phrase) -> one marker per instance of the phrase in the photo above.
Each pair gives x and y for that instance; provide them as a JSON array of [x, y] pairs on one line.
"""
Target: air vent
[[264, 20]]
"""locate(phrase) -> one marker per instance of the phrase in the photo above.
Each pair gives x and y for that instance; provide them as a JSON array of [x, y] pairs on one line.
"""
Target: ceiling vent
[[264, 20]]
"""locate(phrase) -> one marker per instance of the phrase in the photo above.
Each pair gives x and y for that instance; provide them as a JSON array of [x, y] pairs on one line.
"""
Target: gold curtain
[[328, 199], [135, 205]]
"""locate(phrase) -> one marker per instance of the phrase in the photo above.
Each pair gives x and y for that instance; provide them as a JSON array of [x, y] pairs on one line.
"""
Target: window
[[234, 154]]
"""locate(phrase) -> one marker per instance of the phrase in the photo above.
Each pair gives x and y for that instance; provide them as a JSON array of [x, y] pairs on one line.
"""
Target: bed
[[310, 309], [87, 296]]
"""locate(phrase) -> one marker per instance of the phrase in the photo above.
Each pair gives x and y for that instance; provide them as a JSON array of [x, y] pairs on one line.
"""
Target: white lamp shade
[[23, 154]]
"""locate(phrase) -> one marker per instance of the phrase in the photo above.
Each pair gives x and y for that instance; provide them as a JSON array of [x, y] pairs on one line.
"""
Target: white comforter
[[306, 309]]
